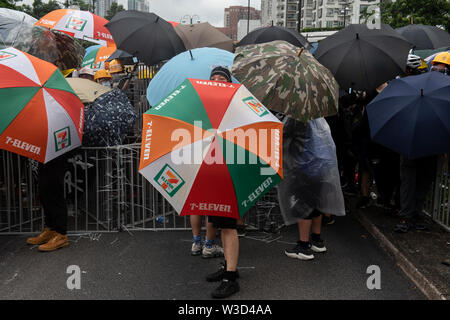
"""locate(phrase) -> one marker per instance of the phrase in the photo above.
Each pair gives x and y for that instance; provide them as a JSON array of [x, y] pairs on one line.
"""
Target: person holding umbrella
[[410, 116], [227, 273]]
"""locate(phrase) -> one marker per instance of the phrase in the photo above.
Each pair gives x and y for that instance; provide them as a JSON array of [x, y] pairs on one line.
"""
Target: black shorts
[[223, 222], [316, 213]]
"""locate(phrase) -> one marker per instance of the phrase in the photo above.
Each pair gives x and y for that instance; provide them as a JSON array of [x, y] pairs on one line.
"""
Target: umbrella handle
[[192, 57], [300, 52]]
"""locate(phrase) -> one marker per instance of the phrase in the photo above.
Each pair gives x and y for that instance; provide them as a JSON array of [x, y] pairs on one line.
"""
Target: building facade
[[233, 14], [314, 13]]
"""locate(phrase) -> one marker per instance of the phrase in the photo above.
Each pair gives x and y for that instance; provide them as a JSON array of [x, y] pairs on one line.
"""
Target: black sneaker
[[328, 220], [318, 246], [298, 252], [363, 202], [226, 289], [219, 274]]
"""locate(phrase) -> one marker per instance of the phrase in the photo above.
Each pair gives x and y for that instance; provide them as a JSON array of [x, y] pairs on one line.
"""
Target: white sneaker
[[196, 249], [213, 252]]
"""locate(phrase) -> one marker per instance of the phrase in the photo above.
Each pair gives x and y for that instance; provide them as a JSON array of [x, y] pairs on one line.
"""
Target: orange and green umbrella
[[211, 148], [41, 117], [94, 58], [79, 24]]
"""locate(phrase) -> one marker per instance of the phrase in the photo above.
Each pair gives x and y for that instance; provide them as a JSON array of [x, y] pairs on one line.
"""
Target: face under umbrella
[[52, 46], [197, 64], [210, 148], [425, 37], [287, 79], [412, 115], [145, 35], [41, 117], [201, 35], [363, 58], [273, 33]]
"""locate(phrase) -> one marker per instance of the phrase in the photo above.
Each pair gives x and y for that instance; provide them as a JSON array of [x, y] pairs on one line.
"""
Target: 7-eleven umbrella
[[40, 115], [94, 58], [211, 148], [79, 24]]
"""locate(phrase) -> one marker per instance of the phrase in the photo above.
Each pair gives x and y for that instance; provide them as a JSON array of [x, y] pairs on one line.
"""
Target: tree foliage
[[403, 12], [113, 10]]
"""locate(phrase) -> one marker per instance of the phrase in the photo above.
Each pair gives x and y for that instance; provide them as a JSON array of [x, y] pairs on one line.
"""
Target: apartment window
[[330, 12], [320, 3], [320, 13], [329, 24], [308, 23]]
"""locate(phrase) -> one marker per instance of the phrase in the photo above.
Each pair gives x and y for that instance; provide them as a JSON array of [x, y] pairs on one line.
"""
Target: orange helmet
[[102, 73], [115, 66]]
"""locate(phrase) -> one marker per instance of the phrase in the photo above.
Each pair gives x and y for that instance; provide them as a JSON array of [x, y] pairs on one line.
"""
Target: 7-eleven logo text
[[6, 55], [169, 180], [76, 24], [255, 106], [62, 138]]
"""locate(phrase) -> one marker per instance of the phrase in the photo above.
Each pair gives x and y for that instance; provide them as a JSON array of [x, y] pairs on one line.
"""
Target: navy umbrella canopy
[[273, 33], [425, 37], [412, 115], [145, 35]]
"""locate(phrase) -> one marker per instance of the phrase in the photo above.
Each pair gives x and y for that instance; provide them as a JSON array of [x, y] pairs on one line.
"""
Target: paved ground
[[157, 265], [426, 250]]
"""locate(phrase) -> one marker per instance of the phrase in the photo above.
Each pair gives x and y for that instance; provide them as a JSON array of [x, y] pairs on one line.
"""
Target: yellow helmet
[[443, 57], [423, 65], [102, 73], [115, 66]]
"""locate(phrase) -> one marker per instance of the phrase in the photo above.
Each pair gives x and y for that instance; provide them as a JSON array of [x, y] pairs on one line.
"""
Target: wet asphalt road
[[158, 265]]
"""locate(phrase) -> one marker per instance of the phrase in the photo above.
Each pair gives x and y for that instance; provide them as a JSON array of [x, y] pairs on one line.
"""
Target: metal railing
[[437, 204], [105, 193]]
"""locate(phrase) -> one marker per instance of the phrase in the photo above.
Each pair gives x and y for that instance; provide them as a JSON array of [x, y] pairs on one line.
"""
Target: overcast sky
[[208, 10]]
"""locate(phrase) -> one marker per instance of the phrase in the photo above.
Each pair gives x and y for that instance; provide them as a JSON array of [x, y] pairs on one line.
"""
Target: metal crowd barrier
[[105, 193], [438, 200]]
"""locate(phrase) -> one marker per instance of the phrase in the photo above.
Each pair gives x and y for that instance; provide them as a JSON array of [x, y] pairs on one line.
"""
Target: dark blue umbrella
[[108, 120], [412, 115]]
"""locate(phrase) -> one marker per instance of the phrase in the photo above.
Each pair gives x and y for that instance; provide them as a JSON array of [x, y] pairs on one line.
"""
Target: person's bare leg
[[316, 224], [365, 184], [211, 232], [196, 225], [230, 242], [304, 228]]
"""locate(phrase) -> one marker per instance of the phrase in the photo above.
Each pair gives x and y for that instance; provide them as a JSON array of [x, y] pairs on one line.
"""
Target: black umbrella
[[121, 55], [268, 34], [145, 35], [425, 37], [363, 58]]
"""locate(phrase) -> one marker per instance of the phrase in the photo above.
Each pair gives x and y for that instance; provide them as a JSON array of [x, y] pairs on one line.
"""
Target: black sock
[[315, 237], [230, 275], [304, 244]]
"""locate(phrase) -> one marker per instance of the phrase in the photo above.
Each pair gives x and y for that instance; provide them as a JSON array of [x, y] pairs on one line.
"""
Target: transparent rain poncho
[[311, 175]]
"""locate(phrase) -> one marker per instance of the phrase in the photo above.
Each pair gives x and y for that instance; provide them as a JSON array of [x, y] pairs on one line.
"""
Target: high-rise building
[[314, 13], [233, 14]]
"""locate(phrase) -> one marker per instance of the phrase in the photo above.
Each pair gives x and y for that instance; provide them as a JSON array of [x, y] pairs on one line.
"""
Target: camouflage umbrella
[[287, 79]]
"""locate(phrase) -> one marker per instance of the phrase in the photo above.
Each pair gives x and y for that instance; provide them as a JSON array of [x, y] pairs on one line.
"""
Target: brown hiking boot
[[58, 241], [44, 237]]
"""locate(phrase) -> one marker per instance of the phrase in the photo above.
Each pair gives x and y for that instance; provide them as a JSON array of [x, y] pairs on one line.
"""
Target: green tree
[[403, 12], [115, 8], [79, 3], [7, 4], [40, 9]]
